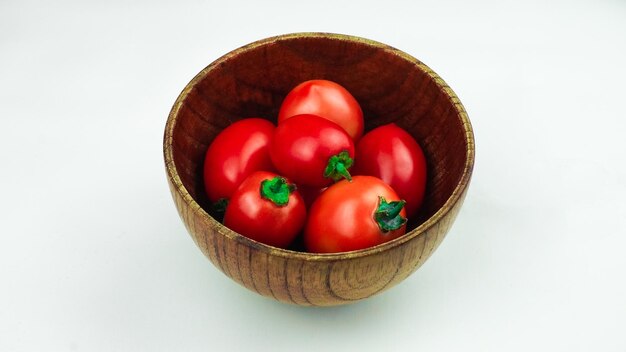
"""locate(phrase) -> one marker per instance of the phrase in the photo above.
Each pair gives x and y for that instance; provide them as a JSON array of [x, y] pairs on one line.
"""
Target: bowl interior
[[390, 86]]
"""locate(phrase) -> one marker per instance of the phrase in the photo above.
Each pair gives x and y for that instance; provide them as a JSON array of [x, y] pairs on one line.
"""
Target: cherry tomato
[[311, 151], [239, 150], [266, 208], [391, 154], [352, 215], [326, 99]]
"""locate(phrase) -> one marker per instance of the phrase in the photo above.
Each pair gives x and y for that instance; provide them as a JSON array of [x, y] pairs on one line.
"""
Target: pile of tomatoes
[[316, 174]]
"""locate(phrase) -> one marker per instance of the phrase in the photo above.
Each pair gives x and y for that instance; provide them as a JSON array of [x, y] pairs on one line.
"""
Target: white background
[[93, 256]]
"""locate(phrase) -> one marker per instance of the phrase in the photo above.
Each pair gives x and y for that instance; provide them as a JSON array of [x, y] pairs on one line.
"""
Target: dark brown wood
[[391, 86]]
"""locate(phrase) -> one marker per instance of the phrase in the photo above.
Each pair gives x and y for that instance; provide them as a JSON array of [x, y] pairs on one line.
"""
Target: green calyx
[[338, 165], [388, 216], [220, 205], [277, 190]]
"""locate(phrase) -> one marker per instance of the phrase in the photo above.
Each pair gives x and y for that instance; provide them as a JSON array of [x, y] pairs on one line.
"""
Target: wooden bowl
[[391, 86]]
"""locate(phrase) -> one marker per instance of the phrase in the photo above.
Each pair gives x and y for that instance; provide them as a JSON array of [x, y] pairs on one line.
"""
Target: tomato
[[352, 215], [311, 151], [239, 150], [266, 208], [326, 99], [391, 154]]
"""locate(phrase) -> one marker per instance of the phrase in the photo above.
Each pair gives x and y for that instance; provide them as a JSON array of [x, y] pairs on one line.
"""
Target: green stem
[[388, 216], [277, 190], [220, 205], [338, 165]]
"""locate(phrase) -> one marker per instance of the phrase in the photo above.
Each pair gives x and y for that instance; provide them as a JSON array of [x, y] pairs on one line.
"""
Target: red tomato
[[239, 150], [326, 99], [352, 215], [267, 209], [311, 151], [391, 154]]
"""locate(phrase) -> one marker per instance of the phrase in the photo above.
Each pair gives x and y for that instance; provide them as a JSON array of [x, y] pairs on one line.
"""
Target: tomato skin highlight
[[239, 150], [342, 218], [258, 218], [393, 155], [303, 146], [326, 99]]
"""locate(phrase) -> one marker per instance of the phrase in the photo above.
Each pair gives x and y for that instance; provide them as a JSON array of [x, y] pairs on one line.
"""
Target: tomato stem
[[338, 165], [220, 205], [277, 190], [388, 216]]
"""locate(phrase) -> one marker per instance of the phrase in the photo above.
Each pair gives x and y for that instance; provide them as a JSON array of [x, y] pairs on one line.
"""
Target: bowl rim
[[420, 230]]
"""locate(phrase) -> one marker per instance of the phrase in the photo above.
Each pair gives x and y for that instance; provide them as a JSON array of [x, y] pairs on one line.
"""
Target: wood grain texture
[[391, 86]]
